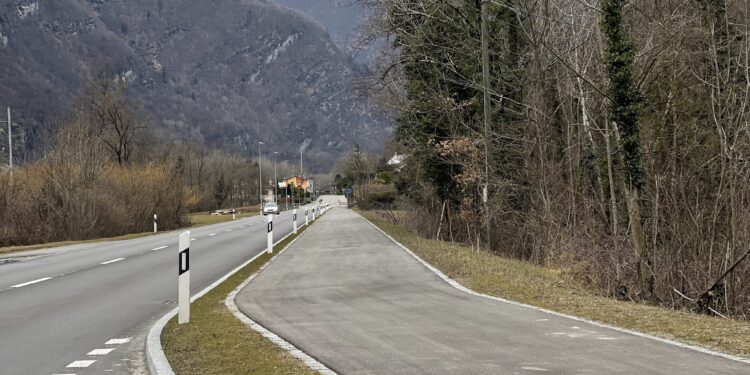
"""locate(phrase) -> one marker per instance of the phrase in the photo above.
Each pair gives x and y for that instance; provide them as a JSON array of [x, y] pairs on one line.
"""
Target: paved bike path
[[351, 298]]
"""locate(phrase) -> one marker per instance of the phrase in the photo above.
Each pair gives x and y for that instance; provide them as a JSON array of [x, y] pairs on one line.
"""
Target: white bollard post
[[313, 211], [234, 214], [306, 215], [294, 219], [270, 233], [155, 220], [183, 292]]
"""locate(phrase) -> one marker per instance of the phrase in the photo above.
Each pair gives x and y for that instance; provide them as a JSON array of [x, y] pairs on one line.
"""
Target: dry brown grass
[[547, 288]]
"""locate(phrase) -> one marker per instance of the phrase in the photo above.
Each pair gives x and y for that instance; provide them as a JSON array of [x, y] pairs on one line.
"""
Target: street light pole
[[260, 179], [275, 180], [10, 142]]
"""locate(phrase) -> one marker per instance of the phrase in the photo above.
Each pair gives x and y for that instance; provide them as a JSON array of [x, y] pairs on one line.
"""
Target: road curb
[[462, 288], [157, 360], [274, 338]]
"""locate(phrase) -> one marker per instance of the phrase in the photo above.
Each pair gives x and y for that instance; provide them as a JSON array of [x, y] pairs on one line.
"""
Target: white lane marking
[[212, 234], [538, 369], [112, 261], [80, 364], [160, 247], [63, 374], [31, 282], [104, 351], [118, 341], [228, 230], [193, 239]]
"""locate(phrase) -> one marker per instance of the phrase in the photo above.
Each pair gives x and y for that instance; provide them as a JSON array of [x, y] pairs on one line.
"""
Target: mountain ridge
[[227, 74]]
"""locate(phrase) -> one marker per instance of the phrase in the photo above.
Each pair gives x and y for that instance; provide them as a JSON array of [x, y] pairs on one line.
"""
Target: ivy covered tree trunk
[[624, 107]]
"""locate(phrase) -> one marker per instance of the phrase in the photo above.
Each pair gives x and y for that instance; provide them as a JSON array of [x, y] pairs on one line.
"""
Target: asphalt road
[[349, 297], [58, 305]]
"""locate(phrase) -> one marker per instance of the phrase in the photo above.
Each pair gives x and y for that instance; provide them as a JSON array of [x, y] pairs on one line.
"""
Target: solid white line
[[462, 288], [31, 282], [118, 341], [112, 261], [104, 351], [80, 364], [160, 247]]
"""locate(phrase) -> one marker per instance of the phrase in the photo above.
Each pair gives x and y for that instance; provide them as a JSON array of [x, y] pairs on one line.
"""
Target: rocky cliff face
[[227, 73]]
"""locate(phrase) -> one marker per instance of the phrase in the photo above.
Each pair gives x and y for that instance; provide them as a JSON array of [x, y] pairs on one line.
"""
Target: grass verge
[[195, 219], [14, 249], [545, 287], [216, 343], [205, 218]]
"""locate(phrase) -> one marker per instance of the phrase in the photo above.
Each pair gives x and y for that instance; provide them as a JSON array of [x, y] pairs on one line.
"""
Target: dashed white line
[[160, 247], [212, 234], [80, 364], [31, 282], [228, 230], [193, 239], [112, 261], [118, 341], [104, 351]]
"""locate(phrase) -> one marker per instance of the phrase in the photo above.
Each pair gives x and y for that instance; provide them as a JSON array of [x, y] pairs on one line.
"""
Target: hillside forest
[[612, 142]]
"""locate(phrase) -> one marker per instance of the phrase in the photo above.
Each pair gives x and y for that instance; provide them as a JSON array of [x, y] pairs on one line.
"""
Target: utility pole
[[487, 118], [10, 142], [275, 180], [260, 179]]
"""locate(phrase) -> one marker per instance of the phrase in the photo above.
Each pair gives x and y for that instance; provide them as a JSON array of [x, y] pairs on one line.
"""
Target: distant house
[[297, 181], [396, 160]]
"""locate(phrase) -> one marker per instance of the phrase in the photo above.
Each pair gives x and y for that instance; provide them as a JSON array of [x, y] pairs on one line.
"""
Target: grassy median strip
[[216, 343], [547, 288]]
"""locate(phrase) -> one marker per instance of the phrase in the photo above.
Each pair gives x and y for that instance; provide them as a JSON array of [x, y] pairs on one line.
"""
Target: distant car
[[271, 208]]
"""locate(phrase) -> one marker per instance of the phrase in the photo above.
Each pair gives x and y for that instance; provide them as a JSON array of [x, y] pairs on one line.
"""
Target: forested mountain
[[226, 74], [616, 147]]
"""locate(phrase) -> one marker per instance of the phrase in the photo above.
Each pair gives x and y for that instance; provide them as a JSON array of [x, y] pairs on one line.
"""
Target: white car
[[271, 208]]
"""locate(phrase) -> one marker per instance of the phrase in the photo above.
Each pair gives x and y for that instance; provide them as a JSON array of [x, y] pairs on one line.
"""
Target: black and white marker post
[[294, 220], [183, 293], [270, 233], [306, 215], [313, 211], [156, 219]]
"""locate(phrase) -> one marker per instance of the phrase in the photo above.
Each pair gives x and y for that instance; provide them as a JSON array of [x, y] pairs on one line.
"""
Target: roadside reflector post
[[270, 233], [306, 215], [234, 214], [156, 218], [294, 220], [183, 292], [313, 211]]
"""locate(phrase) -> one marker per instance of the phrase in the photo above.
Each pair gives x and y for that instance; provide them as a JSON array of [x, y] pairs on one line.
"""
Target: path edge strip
[[462, 288]]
